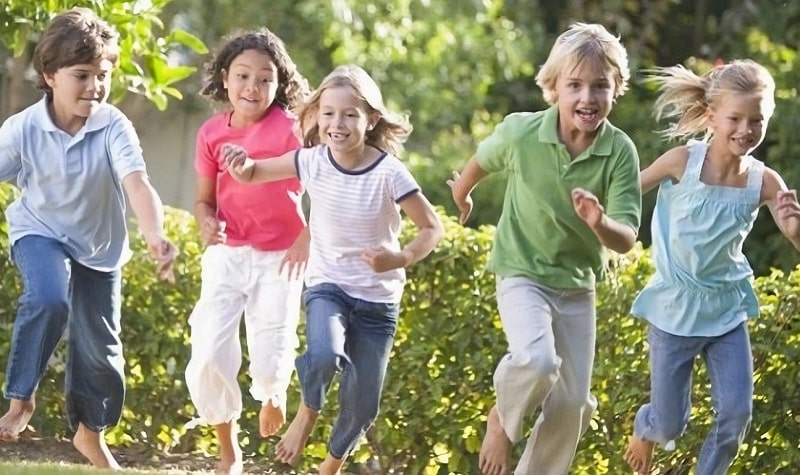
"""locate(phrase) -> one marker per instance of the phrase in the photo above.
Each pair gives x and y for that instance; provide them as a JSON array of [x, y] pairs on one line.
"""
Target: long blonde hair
[[686, 98], [584, 42], [389, 133]]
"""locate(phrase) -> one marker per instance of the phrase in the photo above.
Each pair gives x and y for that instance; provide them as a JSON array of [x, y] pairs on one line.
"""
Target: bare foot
[[290, 448], [93, 446], [271, 418], [16, 419], [331, 466], [640, 454], [496, 448], [230, 454]]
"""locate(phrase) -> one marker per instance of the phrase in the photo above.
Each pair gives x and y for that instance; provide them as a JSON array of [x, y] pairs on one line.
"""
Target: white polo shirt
[[71, 185], [350, 212]]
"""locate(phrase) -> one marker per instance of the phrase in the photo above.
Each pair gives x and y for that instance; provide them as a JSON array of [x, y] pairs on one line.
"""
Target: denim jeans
[[354, 337], [729, 363], [58, 294]]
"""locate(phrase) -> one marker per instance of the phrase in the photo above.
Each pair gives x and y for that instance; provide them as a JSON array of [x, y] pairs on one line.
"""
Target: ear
[[225, 78], [49, 79], [374, 118]]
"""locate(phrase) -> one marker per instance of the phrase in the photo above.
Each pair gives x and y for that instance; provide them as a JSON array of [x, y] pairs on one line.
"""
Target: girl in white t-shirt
[[355, 273]]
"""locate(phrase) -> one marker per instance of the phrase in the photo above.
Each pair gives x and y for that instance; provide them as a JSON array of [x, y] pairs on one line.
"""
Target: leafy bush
[[439, 386]]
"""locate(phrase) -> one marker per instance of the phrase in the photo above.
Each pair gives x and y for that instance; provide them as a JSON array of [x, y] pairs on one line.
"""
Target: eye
[[102, 76]]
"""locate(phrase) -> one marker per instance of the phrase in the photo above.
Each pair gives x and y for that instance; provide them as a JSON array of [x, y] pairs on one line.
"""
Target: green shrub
[[439, 386]]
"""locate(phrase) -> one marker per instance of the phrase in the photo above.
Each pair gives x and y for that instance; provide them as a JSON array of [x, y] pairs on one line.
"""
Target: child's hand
[[240, 166], [212, 231], [382, 259], [296, 256], [588, 207], [164, 253], [463, 200], [787, 205]]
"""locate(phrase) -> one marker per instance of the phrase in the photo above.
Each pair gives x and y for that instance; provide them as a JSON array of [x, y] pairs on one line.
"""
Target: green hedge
[[439, 385]]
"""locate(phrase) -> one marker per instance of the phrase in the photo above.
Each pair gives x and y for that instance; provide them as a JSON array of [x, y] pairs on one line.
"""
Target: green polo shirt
[[539, 235]]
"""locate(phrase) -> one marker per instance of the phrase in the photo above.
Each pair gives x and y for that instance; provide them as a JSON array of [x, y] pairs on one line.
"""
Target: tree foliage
[[149, 52]]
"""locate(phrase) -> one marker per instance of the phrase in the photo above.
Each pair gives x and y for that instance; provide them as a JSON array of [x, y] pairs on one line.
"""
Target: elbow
[[625, 243]]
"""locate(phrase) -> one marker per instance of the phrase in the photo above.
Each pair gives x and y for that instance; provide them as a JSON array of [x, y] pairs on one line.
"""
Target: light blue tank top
[[703, 282]]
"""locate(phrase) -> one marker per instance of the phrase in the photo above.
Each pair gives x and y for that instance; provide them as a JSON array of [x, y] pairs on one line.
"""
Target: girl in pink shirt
[[256, 242]]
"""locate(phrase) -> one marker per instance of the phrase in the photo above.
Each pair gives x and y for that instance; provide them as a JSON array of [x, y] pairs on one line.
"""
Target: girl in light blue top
[[699, 299]]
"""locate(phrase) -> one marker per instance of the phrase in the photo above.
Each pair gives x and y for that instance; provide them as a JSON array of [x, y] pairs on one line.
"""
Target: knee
[[736, 422], [47, 303], [321, 361], [540, 366]]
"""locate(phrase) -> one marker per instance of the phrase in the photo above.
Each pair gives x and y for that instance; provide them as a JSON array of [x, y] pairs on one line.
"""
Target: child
[[700, 296], [72, 155], [356, 269], [257, 246], [573, 188]]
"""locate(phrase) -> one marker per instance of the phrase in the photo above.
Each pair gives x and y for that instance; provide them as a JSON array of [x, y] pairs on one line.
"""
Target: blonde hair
[[388, 134], [689, 98], [584, 42]]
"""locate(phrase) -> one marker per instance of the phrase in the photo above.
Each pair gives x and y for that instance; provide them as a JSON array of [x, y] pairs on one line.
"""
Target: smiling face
[[739, 122], [252, 82], [585, 94], [77, 91], [344, 121]]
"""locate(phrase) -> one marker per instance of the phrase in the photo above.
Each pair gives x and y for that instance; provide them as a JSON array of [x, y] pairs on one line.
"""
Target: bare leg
[[16, 419], [496, 448], [290, 448], [640, 455], [271, 418], [230, 454], [331, 466], [93, 446]]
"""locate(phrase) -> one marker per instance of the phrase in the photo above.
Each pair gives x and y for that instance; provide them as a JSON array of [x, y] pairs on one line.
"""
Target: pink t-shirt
[[267, 216]]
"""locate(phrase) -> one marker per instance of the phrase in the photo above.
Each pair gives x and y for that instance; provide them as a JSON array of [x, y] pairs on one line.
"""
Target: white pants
[[236, 280], [551, 338]]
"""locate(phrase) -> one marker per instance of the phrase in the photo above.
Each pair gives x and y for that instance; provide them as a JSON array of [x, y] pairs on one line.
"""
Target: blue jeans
[[354, 337], [58, 294], [729, 363]]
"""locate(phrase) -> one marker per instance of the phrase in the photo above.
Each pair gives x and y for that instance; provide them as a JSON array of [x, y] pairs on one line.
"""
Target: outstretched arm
[[245, 169], [783, 205], [147, 207], [462, 184]]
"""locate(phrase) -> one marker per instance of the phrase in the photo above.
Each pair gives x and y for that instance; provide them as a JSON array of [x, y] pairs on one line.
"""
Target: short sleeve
[[124, 146], [10, 149], [493, 152], [624, 202], [403, 183], [205, 164]]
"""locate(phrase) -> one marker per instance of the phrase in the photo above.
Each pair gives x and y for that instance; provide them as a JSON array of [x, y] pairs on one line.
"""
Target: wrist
[[406, 258]]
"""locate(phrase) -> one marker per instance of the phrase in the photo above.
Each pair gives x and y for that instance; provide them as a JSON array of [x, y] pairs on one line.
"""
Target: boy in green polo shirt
[[573, 190]]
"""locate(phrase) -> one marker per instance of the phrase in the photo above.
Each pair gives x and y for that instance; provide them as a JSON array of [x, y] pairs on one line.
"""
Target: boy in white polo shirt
[[75, 158]]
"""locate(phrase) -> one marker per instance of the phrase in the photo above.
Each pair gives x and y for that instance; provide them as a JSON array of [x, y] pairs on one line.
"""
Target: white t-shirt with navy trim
[[352, 210]]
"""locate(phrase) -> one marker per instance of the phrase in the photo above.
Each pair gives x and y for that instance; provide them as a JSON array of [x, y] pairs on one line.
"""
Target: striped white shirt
[[352, 210]]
